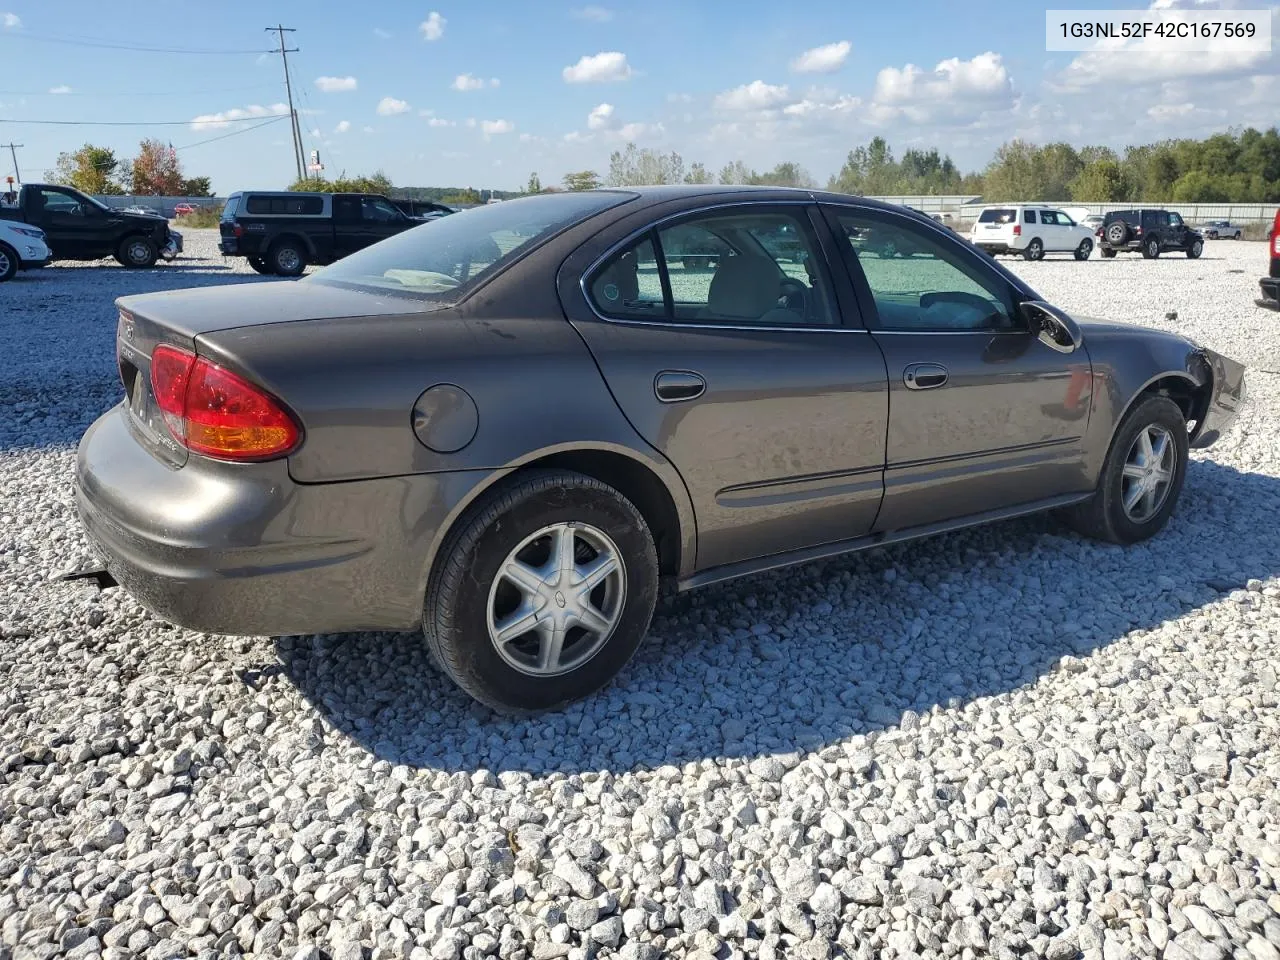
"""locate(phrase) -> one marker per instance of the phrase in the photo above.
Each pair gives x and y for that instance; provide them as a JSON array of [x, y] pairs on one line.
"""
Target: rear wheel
[[287, 258], [1085, 248], [1151, 248], [138, 252], [260, 265], [543, 593], [1196, 248], [8, 262], [1034, 251], [1141, 478]]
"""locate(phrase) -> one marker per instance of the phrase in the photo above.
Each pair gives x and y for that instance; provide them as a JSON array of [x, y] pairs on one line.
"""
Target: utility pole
[[13, 152], [288, 86]]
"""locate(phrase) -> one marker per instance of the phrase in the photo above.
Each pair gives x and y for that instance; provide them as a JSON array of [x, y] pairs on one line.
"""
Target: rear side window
[[998, 215], [295, 206], [1029, 216], [630, 287], [233, 204]]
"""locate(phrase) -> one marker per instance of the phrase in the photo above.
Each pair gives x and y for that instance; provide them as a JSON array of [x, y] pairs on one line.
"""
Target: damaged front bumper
[[173, 246], [1227, 398]]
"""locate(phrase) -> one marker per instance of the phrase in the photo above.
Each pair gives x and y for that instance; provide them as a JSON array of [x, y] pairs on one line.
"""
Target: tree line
[[155, 171]]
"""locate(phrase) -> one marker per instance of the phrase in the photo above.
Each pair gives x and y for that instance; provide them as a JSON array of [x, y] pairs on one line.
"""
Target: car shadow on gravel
[[794, 661]]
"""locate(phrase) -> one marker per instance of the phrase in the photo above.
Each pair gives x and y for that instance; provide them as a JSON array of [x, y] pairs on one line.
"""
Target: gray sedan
[[506, 426]]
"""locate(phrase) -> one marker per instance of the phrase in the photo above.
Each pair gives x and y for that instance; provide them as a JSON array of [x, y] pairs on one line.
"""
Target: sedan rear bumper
[[243, 549]]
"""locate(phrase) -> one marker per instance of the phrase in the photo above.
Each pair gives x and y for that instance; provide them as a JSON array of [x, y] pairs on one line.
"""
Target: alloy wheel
[[1148, 472], [556, 599]]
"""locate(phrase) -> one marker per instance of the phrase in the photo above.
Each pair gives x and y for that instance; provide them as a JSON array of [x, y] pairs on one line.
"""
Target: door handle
[[924, 376], [673, 386]]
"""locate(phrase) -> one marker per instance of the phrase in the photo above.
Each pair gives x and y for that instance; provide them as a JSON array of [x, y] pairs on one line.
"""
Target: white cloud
[[63, 88], [823, 59], [465, 82], [11, 21], [594, 14], [342, 127], [440, 122], [1150, 67], [335, 84], [983, 76], [366, 129], [605, 67], [640, 131], [209, 121], [493, 127], [433, 27], [577, 136], [756, 95], [599, 117], [1170, 111], [390, 106]]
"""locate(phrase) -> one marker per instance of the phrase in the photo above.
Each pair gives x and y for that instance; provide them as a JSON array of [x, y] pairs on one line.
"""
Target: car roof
[[653, 195]]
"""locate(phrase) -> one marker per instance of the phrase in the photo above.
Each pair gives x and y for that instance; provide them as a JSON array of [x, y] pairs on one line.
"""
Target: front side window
[[377, 210], [441, 259], [757, 268], [922, 282], [1176, 221]]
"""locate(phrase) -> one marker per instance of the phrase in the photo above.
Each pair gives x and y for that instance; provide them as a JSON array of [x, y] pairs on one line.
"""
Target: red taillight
[[214, 412], [237, 230], [1098, 233], [1017, 229]]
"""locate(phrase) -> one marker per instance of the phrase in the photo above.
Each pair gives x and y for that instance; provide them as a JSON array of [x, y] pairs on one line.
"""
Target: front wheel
[[1141, 478], [1085, 248], [8, 262], [1196, 248], [543, 593], [138, 253], [1151, 248], [1034, 251]]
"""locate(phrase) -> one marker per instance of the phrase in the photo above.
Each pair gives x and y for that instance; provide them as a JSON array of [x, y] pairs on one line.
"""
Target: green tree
[[1197, 186], [786, 174], [582, 180], [197, 187], [1057, 164], [156, 170], [464, 196], [1013, 174], [697, 174], [1100, 181], [90, 169], [534, 185], [633, 167], [736, 173], [868, 171]]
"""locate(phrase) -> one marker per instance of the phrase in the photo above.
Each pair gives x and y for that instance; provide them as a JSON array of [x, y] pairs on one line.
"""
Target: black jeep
[[1148, 231]]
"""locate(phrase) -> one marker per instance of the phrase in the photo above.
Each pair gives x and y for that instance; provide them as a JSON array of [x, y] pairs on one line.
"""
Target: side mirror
[[1052, 326]]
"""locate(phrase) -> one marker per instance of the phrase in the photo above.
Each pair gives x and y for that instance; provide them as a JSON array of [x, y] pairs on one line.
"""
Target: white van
[[1031, 230]]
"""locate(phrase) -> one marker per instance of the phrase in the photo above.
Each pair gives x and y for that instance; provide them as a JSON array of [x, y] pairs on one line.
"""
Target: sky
[[483, 93]]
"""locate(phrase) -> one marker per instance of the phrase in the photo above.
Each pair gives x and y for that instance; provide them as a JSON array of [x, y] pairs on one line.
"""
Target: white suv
[[1030, 230], [21, 248]]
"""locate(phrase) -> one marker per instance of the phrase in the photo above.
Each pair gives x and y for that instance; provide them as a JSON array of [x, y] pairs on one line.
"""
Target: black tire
[[1085, 248], [137, 252], [1107, 253], [1035, 250], [1103, 516], [8, 262], [260, 265], [457, 604], [288, 258], [1150, 248], [1117, 233], [1196, 248]]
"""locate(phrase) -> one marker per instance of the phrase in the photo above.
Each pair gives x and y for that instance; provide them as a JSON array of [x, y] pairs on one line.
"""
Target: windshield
[[443, 257]]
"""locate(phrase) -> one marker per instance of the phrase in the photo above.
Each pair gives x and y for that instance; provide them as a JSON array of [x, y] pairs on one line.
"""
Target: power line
[[133, 123], [106, 45], [233, 133]]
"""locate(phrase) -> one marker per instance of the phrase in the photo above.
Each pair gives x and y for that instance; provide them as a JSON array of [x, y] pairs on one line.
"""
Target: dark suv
[[281, 233], [1149, 231]]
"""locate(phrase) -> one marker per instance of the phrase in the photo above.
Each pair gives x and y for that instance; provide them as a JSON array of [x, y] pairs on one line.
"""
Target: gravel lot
[[1009, 742]]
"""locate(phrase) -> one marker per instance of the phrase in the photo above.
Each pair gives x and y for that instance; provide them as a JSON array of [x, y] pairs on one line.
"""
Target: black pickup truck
[[78, 227], [281, 233]]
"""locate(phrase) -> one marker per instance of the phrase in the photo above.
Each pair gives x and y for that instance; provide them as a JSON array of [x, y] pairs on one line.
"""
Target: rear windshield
[[1001, 215], [229, 211], [441, 258]]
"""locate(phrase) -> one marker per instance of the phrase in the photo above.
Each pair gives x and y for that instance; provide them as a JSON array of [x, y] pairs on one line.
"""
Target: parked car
[[1221, 230], [1031, 231], [511, 451], [1148, 231], [1093, 221], [1270, 284], [184, 209], [21, 248], [78, 227], [281, 233], [423, 209]]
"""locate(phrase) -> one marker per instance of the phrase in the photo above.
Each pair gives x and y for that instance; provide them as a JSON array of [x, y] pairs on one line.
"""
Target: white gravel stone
[[1007, 741]]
